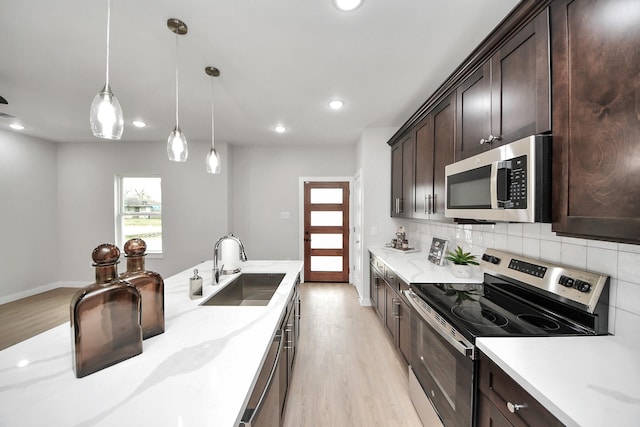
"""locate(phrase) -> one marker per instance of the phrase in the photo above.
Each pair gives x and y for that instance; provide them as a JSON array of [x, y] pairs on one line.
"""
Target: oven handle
[[461, 347]]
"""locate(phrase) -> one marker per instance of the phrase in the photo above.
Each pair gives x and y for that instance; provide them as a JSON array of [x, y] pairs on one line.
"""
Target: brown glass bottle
[[150, 285], [105, 317]]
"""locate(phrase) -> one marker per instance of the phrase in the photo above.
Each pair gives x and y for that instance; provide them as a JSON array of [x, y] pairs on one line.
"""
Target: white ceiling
[[281, 61]]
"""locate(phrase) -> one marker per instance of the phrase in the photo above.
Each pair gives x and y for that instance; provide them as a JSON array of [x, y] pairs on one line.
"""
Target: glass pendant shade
[[213, 161], [177, 148], [106, 116]]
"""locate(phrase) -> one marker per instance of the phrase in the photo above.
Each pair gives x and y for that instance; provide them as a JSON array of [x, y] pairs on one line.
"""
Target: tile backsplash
[[620, 261]]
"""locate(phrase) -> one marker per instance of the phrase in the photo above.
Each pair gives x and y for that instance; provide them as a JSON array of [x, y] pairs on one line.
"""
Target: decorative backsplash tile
[[620, 261]]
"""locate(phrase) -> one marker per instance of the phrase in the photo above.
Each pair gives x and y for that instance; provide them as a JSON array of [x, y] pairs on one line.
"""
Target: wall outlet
[[285, 215], [374, 231]]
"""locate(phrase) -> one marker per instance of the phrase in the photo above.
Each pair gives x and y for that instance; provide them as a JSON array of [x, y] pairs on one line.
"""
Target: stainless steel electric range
[[519, 297]]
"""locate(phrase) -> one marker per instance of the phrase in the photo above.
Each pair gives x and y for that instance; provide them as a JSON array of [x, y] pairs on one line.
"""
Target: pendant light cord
[[212, 133], [177, 123], [108, 32]]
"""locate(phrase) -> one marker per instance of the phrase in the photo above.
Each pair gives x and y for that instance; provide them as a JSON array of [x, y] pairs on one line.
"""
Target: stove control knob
[[582, 286], [566, 281], [490, 258]]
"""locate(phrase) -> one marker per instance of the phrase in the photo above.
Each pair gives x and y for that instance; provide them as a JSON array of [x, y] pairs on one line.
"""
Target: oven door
[[445, 371]]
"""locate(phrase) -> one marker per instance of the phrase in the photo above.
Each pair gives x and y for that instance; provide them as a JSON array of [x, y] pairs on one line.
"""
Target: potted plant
[[462, 262]]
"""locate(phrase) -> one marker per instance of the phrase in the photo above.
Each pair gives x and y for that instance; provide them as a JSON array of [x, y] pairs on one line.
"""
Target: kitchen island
[[199, 372]]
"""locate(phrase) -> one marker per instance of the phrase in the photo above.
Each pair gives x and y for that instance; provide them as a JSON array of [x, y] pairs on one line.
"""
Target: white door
[[357, 233]]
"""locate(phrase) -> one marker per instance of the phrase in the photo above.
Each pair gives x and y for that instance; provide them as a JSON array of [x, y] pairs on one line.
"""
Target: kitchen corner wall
[[373, 160], [620, 261], [264, 184], [194, 203], [28, 213]]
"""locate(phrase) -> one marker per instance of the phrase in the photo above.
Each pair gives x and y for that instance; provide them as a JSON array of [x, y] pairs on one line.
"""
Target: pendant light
[[177, 148], [106, 115], [213, 158]]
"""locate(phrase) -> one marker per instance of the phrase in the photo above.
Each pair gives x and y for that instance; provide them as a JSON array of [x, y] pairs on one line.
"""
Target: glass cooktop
[[486, 310]]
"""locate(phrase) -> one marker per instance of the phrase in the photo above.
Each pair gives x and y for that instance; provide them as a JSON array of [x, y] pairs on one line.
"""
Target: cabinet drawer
[[503, 392], [391, 278]]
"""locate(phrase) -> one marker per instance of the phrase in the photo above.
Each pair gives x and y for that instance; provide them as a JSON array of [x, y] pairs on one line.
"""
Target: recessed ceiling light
[[16, 126], [347, 5], [139, 123], [336, 104], [280, 129]]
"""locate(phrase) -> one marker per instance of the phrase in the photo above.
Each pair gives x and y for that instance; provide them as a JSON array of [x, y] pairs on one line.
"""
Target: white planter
[[461, 271]]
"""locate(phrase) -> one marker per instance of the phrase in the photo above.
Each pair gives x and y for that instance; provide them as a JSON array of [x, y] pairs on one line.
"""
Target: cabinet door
[[396, 179], [390, 318], [444, 127], [404, 329], [488, 414], [520, 103], [373, 286], [473, 113], [424, 167], [402, 178], [435, 144], [596, 130]]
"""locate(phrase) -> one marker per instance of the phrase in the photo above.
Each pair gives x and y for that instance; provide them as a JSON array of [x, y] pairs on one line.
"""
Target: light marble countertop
[[413, 267], [583, 381], [199, 372]]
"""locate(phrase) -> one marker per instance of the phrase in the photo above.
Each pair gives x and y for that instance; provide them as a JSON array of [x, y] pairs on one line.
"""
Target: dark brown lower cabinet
[[596, 119], [390, 306], [503, 402]]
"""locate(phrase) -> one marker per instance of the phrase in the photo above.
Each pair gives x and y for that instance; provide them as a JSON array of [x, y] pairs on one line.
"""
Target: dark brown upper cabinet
[[596, 119], [435, 141], [402, 178], [507, 97]]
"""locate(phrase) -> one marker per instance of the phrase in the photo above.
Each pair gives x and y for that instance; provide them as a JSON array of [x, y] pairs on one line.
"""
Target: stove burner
[[479, 316], [539, 321]]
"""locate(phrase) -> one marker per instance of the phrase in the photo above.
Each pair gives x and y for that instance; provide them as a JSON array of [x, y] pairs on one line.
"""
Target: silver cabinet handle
[[429, 209], [426, 203], [433, 204], [490, 139], [397, 309], [397, 205], [513, 408]]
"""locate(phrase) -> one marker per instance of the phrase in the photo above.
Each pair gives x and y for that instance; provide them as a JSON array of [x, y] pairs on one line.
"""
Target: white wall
[[619, 261], [374, 159], [264, 183], [28, 214], [194, 202]]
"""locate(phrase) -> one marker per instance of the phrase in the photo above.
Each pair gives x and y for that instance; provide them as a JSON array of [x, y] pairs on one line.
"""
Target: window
[[139, 211]]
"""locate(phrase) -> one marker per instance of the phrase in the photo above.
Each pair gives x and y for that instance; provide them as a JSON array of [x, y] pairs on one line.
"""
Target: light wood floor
[[346, 373], [30, 316]]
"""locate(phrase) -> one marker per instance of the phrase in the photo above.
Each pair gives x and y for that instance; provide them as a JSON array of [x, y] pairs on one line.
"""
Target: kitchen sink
[[248, 289]]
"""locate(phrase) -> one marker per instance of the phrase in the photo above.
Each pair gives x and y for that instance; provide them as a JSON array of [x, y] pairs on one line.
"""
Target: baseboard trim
[[34, 291], [366, 302]]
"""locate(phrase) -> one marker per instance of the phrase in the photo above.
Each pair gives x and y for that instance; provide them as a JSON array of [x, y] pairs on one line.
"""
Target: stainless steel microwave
[[510, 183]]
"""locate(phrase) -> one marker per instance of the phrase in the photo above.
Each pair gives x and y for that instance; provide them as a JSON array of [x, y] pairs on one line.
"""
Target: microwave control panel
[[512, 183]]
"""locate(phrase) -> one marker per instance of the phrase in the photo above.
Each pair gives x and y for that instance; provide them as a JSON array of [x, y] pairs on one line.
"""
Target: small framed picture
[[437, 253]]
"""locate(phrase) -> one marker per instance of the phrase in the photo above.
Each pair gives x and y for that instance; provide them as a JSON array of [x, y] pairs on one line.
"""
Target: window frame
[[120, 214]]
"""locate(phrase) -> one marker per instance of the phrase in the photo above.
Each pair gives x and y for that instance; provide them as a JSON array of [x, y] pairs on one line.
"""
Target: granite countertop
[[583, 381], [413, 267], [199, 372]]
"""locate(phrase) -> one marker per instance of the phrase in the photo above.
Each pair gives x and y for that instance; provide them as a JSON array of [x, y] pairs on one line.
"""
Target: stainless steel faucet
[[217, 272]]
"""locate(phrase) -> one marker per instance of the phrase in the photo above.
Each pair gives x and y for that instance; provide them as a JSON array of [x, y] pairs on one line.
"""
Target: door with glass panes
[[326, 232]]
